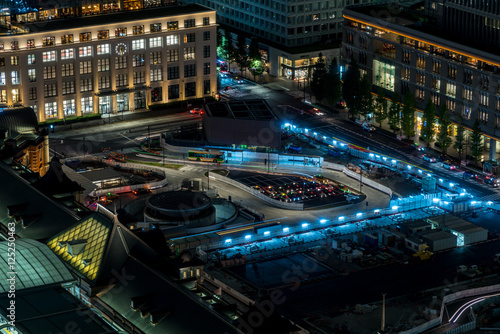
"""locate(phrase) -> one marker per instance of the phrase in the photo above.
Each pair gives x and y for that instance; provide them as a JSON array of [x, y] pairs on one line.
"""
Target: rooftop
[[435, 235], [411, 19], [35, 266], [36, 216], [117, 17], [53, 310], [246, 109]]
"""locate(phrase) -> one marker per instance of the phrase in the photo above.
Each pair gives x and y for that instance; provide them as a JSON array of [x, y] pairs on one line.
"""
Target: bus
[[209, 156]]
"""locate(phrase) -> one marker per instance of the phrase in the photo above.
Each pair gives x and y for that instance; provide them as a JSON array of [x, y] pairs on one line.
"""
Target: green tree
[[351, 88], [443, 136], [366, 97], [228, 49], [255, 65], [241, 52], [460, 139], [476, 141], [254, 50], [429, 119], [333, 90], [408, 115], [381, 105], [395, 112], [318, 82]]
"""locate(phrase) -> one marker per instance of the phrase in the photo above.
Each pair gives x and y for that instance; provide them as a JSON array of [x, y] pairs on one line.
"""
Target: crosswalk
[[492, 197]]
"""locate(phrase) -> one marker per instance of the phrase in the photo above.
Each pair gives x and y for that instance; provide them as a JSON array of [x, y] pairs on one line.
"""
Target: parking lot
[[288, 188]]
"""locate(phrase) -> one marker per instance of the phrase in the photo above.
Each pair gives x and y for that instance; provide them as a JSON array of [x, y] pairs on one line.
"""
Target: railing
[[258, 194], [358, 177]]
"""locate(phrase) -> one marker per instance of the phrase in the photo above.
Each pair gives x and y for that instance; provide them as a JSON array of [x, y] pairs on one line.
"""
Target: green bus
[[208, 156]]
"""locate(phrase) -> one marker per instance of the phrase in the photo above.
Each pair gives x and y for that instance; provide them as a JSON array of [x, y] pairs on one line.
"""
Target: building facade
[[399, 54], [110, 63], [286, 30]]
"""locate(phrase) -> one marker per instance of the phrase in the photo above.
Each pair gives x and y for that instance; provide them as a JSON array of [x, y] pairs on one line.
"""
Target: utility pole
[[149, 136], [361, 180], [383, 314], [84, 147], [208, 175]]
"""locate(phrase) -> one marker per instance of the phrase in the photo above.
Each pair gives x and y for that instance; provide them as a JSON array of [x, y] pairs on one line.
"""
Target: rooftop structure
[[251, 122], [36, 216]]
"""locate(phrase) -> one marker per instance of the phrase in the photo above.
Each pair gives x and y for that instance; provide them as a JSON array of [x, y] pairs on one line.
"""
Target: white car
[[368, 127]]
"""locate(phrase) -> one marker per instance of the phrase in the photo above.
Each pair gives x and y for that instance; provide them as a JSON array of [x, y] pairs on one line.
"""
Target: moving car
[[237, 80], [198, 111], [317, 112], [141, 191], [449, 165], [367, 127], [469, 175], [494, 182], [341, 104], [428, 157]]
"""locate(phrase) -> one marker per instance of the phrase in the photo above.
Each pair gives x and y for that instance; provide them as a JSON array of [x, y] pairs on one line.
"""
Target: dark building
[[237, 123]]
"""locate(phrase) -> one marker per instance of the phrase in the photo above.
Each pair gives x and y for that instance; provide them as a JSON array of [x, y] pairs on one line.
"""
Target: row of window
[[87, 103], [121, 62], [50, 72], [104, 34]]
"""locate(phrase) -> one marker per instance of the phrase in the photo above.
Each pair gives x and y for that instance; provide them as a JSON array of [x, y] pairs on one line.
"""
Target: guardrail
[[129, 188], [258, 194], [358, 177]]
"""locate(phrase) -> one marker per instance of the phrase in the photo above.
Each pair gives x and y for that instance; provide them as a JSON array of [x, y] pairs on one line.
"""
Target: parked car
[[237, 80], [295, 149], [341, 104], [449, 165], [198, 111], [429, 158], [367, 127], [111, 196], [141, 191], [333, 152]]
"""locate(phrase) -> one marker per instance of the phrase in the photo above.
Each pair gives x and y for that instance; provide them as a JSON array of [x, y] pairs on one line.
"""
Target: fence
[[415, 202], [258, 194], [465, 328]]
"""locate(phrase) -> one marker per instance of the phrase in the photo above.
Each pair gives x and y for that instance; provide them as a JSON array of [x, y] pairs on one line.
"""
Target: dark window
[[206, 87], [156, 94], [173, 73], [189, 23], [173, 91], [190, 70], [190, 89], [206, 68], [206, 51]]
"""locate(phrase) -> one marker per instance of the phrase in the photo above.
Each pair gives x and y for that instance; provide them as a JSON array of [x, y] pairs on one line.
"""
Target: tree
[[229, 50], [241, 52], [460, 139], [443, 136], [333, 90], [255, 65], [408, 115], [365, 96], [254, 50], [476, 141], [429, 121], [380, 110], [395, 112], [350, 88], [318, 82]]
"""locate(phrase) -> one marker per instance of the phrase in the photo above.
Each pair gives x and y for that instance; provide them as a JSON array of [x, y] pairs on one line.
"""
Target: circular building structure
[[190, 209]]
